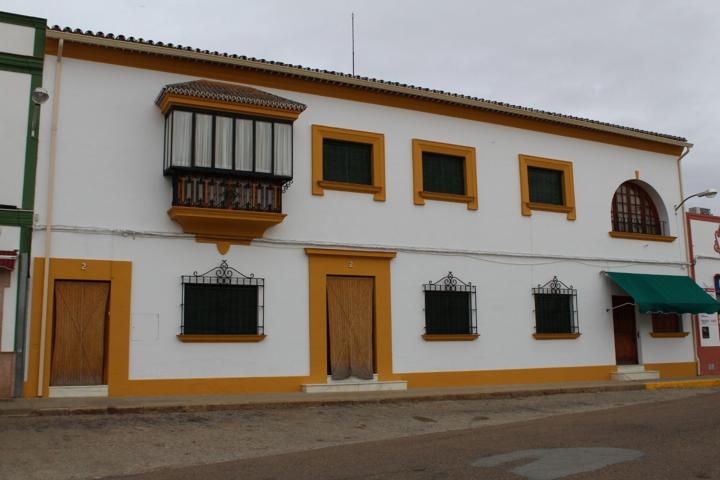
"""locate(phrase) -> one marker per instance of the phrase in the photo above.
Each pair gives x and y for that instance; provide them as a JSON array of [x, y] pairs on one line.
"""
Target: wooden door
[[78, 350], [350, 327], [626, 352]]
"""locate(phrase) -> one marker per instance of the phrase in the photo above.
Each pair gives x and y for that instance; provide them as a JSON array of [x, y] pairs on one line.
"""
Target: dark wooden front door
[[626, 352], [350, 327], [78, 350]]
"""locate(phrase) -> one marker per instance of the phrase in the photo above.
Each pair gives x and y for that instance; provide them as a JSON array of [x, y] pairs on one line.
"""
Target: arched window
[[634, 211]]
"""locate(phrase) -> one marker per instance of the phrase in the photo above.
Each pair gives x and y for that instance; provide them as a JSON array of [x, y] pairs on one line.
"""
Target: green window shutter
[[347, 162], [215, 309], [553, 313], [546, 186], [447, 312], [443, 173]]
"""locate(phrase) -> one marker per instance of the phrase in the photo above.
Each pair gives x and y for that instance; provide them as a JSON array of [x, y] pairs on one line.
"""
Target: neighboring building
[[223, 224], [22, 48], [704, 239]]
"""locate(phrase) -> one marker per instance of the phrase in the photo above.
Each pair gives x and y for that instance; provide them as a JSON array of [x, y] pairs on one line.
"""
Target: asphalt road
[[676, 439]]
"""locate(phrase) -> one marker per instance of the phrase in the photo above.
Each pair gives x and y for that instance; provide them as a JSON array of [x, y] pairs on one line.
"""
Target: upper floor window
[[444, 172], [450, 309], [348, 160], [555, 310], [633, 211], [546, 184]]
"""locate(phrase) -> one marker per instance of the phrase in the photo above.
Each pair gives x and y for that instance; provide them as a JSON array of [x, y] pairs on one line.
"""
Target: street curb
[[683, 384], [311, 402]]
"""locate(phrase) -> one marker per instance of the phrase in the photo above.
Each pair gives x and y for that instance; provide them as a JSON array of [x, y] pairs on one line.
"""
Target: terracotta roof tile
[[379, 85], [230, 92]]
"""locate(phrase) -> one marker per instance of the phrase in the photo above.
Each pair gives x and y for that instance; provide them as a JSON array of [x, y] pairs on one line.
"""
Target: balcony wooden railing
[[205, 191]]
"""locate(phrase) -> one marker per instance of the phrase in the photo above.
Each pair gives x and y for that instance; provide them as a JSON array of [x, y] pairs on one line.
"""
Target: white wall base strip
[[79, 391]]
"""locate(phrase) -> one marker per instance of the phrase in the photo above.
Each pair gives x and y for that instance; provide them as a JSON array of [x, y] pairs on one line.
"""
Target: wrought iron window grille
[[215, 312], [555, 308], [447, 321]]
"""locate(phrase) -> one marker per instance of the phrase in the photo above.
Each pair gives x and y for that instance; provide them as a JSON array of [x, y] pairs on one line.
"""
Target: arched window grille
[[634, 211]]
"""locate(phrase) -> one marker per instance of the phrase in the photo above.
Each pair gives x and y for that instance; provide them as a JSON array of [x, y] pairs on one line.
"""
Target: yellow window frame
[[468, 153], [376, 140], [563, 166]]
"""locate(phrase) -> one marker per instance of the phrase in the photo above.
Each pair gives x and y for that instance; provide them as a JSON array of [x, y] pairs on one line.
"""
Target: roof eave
[[352, 81]]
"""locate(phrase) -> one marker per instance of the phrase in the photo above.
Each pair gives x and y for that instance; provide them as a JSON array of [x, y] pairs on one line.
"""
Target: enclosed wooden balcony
[[229, 153]]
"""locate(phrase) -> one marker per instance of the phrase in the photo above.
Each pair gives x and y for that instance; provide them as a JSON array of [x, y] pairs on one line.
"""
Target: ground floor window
[[450, 307], [555, 308], [666, 323], [222, 301]]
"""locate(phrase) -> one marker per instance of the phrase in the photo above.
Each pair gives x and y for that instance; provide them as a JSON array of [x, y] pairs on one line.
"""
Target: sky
[[649, 64]]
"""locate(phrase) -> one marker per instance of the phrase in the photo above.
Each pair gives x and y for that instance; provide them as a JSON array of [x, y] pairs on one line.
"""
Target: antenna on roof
[[352, 21]]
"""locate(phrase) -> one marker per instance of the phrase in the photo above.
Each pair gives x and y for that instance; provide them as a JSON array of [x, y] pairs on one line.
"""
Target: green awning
[[665, 293]]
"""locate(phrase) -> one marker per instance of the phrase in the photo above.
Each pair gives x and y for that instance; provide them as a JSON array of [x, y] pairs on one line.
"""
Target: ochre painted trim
[[446, 197], [323, 263], [506, 377], [455, 337], [170, 100], [548, 207], [220, 338], [253, 76], [224, 226], [642, 236], [377, 140], [669, 334], [674, 370], [119, 274], [555, 336], [349, 187], [468, 153], [565, 167], [350, 253]]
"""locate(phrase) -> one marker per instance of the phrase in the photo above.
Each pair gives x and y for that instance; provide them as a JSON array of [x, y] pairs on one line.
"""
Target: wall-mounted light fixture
[[38, 97]]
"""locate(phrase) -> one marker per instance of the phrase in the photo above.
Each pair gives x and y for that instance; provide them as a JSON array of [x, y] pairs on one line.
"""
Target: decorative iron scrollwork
[[449, 283], [223, 274], [555, 286]]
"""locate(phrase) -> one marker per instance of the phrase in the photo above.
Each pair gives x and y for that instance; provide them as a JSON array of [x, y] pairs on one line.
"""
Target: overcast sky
[[650, 64]]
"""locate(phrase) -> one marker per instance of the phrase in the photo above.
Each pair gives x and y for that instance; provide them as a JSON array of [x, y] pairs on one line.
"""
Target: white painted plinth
[[79, 392]]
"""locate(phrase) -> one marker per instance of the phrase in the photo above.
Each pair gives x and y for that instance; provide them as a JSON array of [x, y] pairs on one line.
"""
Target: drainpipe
[[686, 236], [49, 217]]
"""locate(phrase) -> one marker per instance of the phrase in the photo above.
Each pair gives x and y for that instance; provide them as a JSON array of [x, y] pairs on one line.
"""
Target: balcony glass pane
[[244, 145], [203, 140], [263, 147], [181, 138], [283, 149], [166, 145], [223, 142]]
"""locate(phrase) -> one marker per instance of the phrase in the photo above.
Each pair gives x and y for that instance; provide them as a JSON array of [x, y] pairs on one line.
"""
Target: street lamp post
[[709, 193]]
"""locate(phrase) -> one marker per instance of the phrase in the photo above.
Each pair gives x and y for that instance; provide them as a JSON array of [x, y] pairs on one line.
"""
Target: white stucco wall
[[109, 176], [15, 99], [16, 39]]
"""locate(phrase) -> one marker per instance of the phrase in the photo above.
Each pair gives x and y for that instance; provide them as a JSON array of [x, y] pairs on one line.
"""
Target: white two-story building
[[220, 224]]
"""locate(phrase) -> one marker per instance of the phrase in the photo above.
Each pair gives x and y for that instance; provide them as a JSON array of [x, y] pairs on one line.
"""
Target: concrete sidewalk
[[195, 403]]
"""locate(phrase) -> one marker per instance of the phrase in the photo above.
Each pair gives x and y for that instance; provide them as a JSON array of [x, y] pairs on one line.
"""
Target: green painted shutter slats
[[347, 162], [546, 186], [443, 173], [447, 312]]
